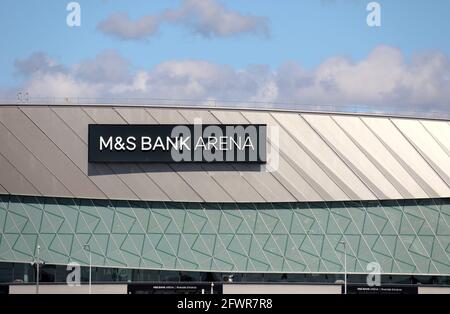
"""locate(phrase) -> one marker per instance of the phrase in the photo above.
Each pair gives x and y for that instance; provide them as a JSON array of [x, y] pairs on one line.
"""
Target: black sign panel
[[174, 143], [384, 289], [175, 288]]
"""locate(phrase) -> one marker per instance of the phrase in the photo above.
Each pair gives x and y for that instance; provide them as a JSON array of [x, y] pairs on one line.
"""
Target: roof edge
[[414, 115]]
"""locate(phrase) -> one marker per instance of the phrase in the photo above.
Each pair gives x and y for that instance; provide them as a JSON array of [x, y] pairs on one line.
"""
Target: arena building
[[328, 194]]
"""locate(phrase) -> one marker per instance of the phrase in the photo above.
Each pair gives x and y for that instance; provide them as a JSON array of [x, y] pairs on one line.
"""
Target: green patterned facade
[[404, 237]]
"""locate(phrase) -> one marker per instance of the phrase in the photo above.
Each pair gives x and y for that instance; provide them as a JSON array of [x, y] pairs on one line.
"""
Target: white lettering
[[131, 143], [146, 143], [108, 144]]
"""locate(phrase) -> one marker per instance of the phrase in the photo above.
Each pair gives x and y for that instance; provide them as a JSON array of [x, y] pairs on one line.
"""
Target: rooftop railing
[[397, 111]]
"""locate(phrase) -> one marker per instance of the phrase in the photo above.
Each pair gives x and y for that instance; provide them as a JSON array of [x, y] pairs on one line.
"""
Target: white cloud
[[107, 66], [61, 85], [37, 62], [207, 18], [384, 80], [119, 25], [210, 18]]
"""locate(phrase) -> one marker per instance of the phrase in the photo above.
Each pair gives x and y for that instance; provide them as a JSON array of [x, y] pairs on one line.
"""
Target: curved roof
[[321, 157]]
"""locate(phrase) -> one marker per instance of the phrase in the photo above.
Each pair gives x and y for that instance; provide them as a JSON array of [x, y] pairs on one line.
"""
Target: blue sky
[[306, 33]]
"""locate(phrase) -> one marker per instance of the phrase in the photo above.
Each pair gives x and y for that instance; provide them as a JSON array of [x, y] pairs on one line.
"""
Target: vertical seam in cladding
[[424, 186], [420, 152], [343, 160], [48, 170], [171, 167], [318, 162], [70, 159], [383, 171], [137, 165]]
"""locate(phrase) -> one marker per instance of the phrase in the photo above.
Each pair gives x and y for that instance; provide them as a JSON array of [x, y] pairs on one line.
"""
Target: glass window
[[150, 275], [23, 272], [47, 273], [169, 276], [6, 272], [254, 277]]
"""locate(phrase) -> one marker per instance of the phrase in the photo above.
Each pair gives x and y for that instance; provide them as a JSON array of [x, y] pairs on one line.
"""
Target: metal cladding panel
[[378, 154], [403, 237], [321, 157], [19, 183], [427, 147], [402, 146], [77, 120], [237, 186], [439, 131], [352, 156], [131, 174], [270, 187], [302, 179], [28, 165], [324, 156]]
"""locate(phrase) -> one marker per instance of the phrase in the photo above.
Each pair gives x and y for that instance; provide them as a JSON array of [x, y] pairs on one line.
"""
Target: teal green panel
[[285, 217], [26, 244], [3, 214], [149, 253], [15, 223], [193, 223], [403, 236], [160, 221], [401, 254], [445, 207], [122, 223], [4, 202], [228, 223]]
